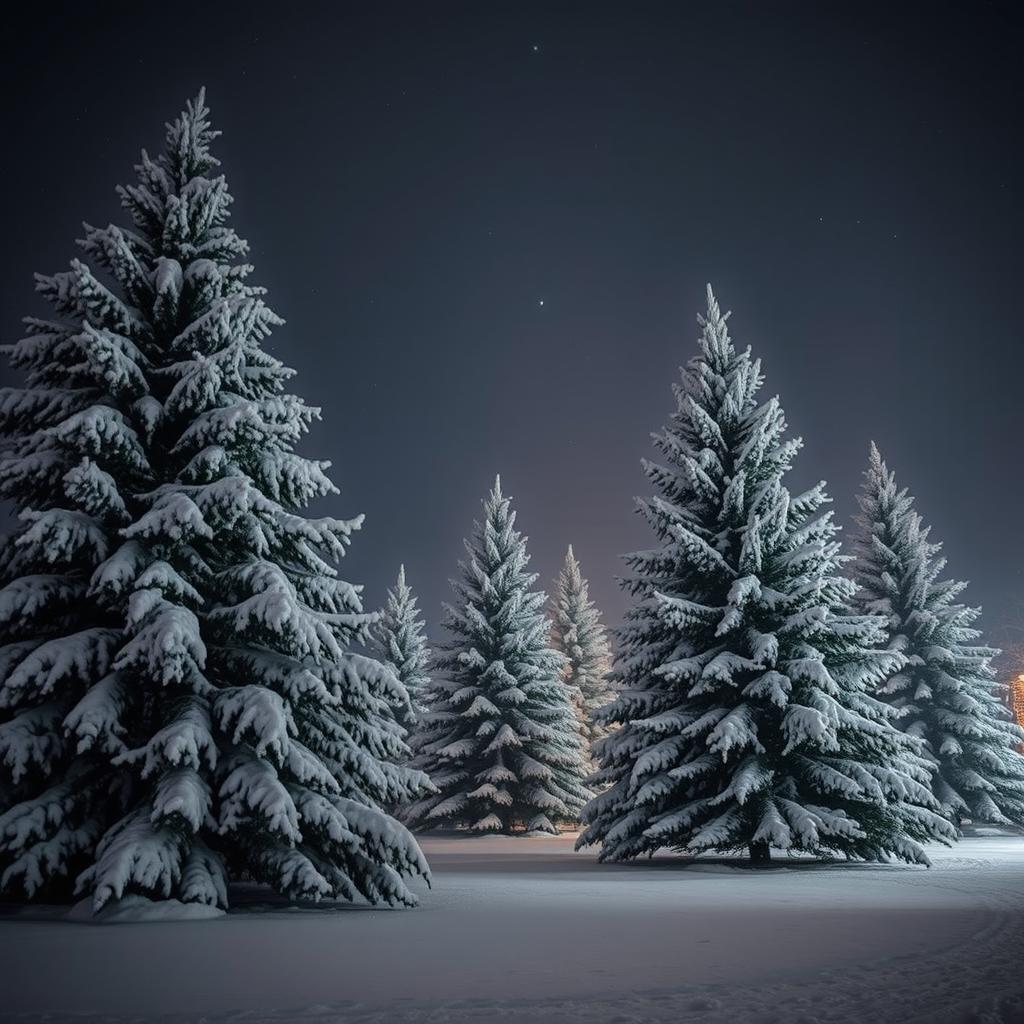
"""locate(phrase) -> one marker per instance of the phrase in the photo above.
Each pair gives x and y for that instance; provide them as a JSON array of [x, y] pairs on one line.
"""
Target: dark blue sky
[[416, 181]]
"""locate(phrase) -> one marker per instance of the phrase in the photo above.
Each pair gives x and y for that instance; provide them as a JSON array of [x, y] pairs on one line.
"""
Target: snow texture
[[180, 703], [744, 713], [134, 909], [945, 688], [526, 931], [500, 741]]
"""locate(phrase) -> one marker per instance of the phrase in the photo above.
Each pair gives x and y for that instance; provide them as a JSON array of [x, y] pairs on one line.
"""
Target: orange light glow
[[1017, 699]]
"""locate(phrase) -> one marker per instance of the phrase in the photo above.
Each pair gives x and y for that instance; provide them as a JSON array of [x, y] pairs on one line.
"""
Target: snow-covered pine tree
[[398, 641], [499, 739], [946, 693], [745, 715], [578, 633], [180, 705]]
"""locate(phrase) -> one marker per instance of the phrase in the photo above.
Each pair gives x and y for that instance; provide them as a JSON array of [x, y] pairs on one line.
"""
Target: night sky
[[489, 228]]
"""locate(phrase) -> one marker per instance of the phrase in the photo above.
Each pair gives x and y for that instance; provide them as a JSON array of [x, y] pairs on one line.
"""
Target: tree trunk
[[760, 853]]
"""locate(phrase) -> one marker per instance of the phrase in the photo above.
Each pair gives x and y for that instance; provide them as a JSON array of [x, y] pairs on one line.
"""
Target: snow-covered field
[[528, 930]]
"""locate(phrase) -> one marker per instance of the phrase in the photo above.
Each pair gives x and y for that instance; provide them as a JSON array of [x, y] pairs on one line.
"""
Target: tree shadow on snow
[[456, 854], [252, 898]]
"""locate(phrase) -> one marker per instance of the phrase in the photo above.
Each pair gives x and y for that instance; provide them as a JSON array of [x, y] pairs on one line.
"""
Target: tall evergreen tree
[[745, 714], [500, 738], [946, 692], [578, 633], [180, 705], [398, 641]]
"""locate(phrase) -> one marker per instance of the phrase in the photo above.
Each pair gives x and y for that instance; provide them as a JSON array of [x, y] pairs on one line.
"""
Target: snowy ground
[[526, 930]]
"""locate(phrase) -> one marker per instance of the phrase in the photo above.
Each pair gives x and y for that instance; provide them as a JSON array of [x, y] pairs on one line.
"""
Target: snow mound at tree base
[[134, 909], [989, 831]]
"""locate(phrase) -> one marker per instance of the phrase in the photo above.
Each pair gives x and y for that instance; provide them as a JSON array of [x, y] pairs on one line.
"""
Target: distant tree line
[[190, 693]]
